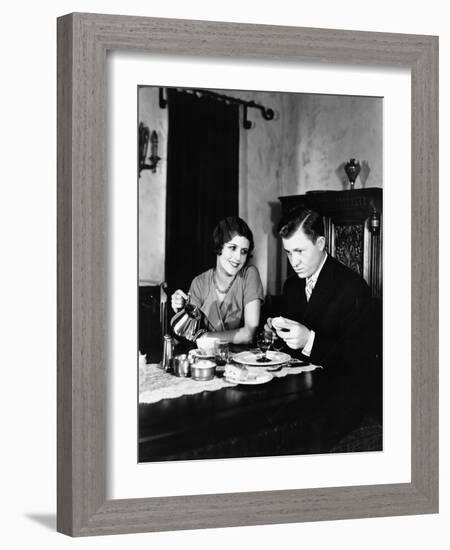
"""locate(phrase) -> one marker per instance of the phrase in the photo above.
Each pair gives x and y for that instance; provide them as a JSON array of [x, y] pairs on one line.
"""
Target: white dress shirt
[[311, 283]]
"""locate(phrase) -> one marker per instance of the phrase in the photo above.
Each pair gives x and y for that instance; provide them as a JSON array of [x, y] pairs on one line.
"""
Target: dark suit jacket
[[340, 311]]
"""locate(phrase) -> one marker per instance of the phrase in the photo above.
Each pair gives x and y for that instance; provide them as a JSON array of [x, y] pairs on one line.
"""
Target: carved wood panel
[[349, 246]]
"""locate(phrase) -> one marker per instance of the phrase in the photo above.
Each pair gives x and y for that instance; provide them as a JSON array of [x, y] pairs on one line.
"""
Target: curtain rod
[[266, 112]]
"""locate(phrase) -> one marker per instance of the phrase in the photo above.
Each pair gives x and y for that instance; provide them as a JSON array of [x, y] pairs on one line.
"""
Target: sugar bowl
[[203, 369]]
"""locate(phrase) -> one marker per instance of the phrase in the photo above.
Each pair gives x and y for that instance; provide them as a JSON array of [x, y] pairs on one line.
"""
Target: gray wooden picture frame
[[83, 41]]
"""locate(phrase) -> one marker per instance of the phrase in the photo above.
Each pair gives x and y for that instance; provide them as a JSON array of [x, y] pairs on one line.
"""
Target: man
[[326, 311]]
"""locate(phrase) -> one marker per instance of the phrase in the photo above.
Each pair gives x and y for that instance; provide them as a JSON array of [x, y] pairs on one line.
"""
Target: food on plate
[[236, 372]]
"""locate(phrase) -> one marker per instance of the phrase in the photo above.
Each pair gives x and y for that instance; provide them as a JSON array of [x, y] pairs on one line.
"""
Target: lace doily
[[156, 384]]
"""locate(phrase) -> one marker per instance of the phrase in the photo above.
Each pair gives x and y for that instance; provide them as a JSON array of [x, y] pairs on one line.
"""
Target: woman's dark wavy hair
[[309, 220], [228, 228]]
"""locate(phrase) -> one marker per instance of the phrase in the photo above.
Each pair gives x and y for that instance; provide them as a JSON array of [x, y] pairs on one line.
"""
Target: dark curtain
[[202, 181]]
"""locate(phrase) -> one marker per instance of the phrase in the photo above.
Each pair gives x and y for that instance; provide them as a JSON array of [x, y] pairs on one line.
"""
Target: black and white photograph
[[260, 273]]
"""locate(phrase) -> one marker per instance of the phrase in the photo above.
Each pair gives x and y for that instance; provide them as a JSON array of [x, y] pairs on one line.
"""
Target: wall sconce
[[144, 139]]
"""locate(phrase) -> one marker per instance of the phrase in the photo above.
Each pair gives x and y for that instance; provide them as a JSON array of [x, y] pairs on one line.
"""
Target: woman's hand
[[178, 300]]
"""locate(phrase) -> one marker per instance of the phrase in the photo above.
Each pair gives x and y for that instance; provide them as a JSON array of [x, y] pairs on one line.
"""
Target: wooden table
[[313, 412]]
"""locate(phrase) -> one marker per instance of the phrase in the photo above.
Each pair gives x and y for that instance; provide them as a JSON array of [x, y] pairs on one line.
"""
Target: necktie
[[309, 287]]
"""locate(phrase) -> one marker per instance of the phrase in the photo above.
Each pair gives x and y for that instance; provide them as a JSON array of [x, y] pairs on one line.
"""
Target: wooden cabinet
[[353, 228]]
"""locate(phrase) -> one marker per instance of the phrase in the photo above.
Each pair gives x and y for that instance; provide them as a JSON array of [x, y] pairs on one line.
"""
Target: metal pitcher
[[188, 322]]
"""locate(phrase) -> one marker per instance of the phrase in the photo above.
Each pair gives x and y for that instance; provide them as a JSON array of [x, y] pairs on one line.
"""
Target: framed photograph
[[229, 171], [197, 171]]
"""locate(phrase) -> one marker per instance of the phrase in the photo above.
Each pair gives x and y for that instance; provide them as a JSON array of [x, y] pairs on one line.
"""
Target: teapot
[[188, 322]]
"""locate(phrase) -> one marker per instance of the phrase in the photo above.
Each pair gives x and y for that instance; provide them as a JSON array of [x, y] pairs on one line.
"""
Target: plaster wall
[[152, 193], [331, 130]]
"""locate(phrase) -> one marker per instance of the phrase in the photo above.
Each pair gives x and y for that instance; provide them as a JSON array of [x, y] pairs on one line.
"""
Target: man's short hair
[[228, 228], [310, 221]]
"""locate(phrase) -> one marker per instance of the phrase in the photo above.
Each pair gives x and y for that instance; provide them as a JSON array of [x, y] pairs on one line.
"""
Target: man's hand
[[294, 334], [268, 325]]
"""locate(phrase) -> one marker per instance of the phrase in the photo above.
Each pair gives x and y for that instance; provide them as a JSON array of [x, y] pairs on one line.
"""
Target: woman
[[230, 294]]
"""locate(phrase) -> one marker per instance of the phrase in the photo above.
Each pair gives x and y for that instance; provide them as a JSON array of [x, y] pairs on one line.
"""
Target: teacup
[[208, 344]]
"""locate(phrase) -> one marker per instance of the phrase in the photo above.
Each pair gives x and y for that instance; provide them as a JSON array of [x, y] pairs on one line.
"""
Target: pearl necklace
[[217, 286]]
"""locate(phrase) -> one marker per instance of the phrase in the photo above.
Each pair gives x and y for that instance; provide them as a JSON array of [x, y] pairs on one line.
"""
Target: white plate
[[252, 380], [251, 358]]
